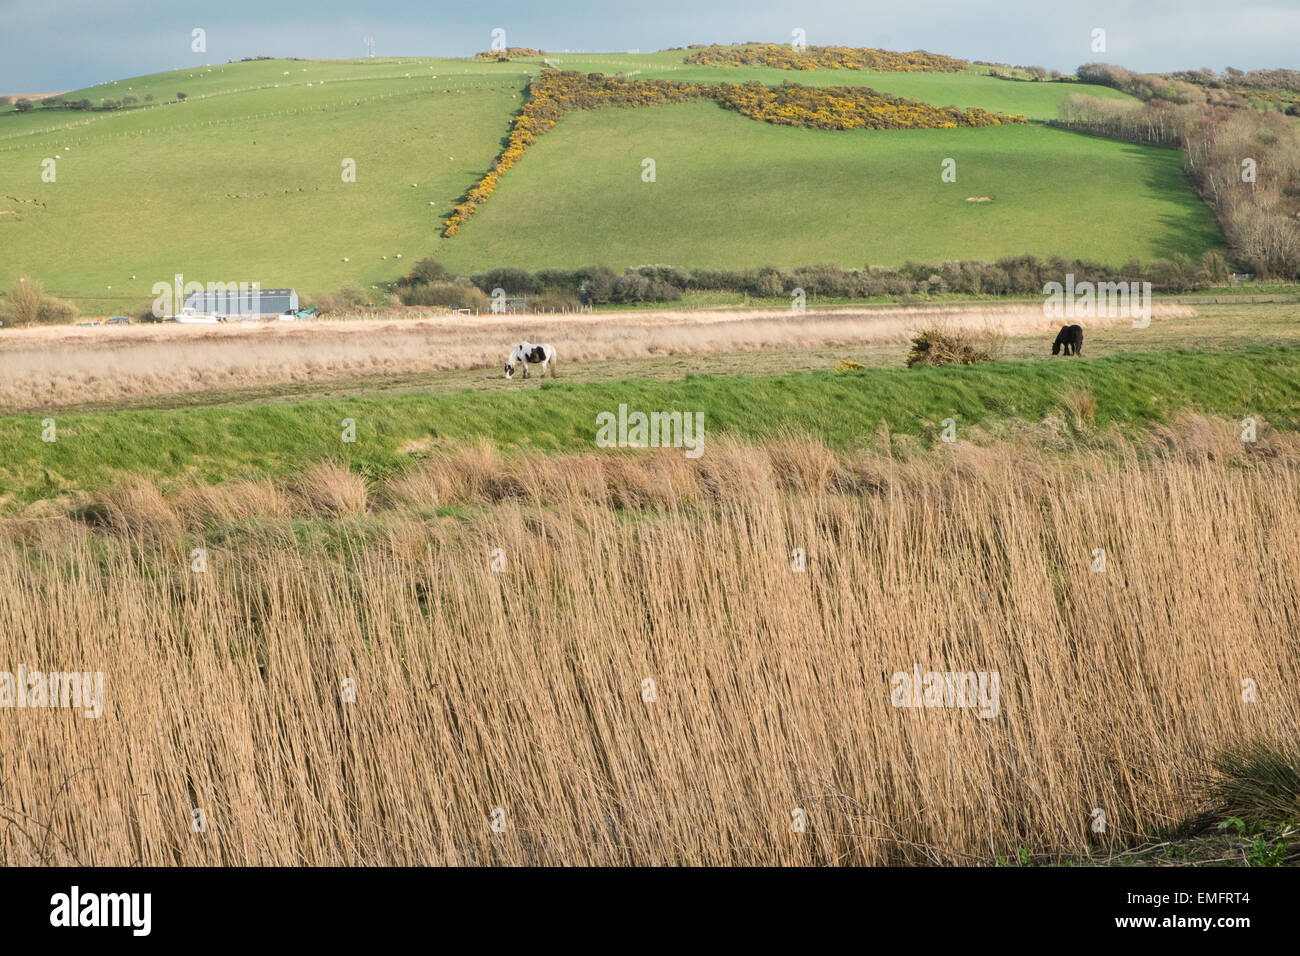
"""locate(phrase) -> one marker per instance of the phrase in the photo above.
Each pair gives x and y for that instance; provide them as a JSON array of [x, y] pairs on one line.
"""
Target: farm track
[[173, 365]]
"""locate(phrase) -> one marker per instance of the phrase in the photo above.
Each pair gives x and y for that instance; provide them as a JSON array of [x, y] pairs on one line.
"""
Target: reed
[[640, 675]]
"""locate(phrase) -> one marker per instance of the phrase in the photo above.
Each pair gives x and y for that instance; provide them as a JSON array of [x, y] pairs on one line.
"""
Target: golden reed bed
[[640, 675]]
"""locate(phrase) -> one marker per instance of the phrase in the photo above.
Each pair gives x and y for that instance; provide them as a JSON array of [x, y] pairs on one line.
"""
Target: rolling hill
[[243, 180]]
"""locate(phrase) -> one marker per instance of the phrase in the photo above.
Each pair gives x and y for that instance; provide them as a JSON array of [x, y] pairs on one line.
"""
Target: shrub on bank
[[450, 294], [937, 347], [28, 304]]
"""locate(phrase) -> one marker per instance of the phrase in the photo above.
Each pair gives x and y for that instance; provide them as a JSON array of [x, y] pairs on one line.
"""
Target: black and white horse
[[525, 355], [1070, 336]]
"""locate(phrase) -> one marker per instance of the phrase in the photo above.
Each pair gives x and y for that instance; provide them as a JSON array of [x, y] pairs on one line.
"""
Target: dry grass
[[204, 505], [42, 368], [523, 690], [136, 508], [329, 488], [1082, 407]]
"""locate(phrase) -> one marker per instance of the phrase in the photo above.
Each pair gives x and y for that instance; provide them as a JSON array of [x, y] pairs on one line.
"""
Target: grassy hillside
[[242, 182], [732, 193], [96, 449]]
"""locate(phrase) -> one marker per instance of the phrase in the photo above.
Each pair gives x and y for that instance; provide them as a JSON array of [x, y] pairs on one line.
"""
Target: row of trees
[[1247, 167], [1037, 74], [430, 284], [1014, 275], [23, 105], [1245, 163], [1130, 120], [1144, 86], [1249, 79]]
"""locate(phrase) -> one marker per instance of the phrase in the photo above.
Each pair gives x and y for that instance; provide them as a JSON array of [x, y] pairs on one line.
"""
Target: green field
[[242, 182], [732, 193]]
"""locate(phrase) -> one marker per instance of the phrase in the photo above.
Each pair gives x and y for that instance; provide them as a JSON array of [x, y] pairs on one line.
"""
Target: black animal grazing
[[1071, 336]]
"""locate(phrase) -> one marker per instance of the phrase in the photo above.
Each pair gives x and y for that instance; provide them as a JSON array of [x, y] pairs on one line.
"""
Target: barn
[[242, 301]]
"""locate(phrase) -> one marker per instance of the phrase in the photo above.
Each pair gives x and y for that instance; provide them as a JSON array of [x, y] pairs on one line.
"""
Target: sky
[[56, 45]]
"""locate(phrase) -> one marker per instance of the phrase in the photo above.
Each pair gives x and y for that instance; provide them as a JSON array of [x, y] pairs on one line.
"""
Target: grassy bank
[[95, 449]]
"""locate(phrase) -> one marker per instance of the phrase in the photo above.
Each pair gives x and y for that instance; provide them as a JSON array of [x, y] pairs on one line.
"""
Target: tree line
[[1244, 162], [429, 283], [24, 104]]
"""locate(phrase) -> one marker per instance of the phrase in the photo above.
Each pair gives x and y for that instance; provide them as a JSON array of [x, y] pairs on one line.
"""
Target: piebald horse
[[525, 355]]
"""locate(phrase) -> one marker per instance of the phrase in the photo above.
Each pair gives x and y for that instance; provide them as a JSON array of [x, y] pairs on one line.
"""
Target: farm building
[[245, 302]]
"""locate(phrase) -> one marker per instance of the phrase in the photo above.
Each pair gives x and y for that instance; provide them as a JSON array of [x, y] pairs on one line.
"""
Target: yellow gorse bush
[[510, 53], [783, 57]]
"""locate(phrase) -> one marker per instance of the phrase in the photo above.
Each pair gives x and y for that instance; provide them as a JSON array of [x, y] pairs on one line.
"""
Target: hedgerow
[[846, 107], [1009, 276], [785, 57], [510, 53]]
